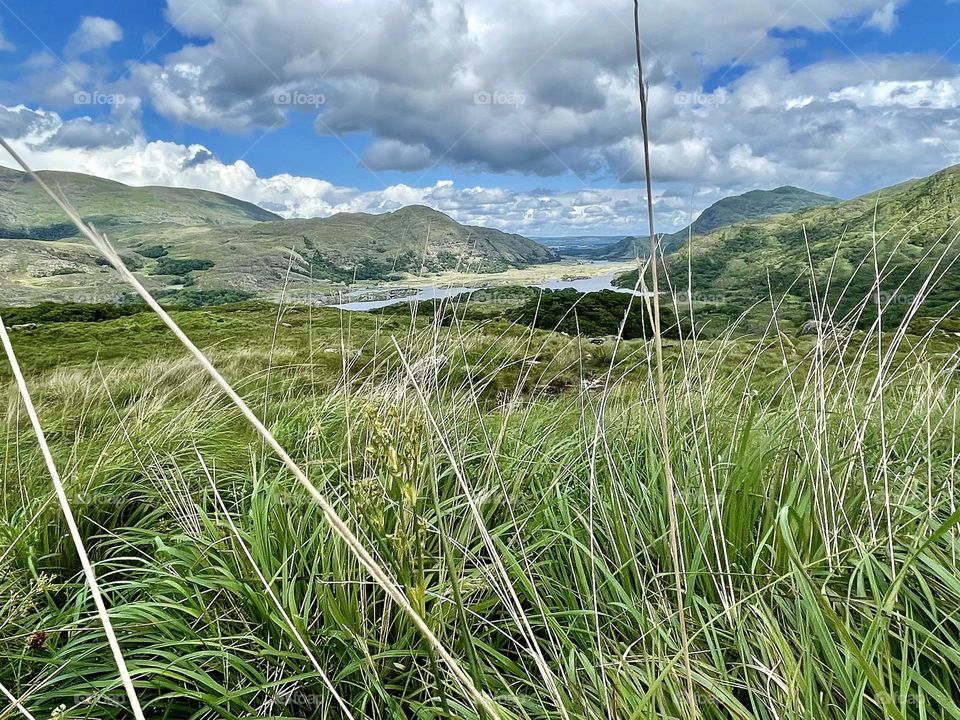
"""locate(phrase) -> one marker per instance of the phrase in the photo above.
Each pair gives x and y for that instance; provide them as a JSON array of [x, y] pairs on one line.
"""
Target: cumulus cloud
[[540, 87], [396, 155], [94, 33], [83, 133]]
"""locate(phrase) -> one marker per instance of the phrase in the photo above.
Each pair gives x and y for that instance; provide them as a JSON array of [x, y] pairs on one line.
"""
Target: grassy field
[[516, 492]]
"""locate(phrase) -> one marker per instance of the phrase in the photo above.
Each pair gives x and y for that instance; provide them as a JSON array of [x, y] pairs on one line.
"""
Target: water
[[426, 294], [586, 285]]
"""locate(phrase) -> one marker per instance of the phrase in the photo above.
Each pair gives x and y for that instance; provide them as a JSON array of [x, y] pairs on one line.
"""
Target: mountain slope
[[754, 205], [831, 248], [728, 211], [359, 246], [27, 212], [178, 239]]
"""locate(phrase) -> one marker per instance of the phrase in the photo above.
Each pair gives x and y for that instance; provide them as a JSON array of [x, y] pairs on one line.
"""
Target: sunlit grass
[[531, 532]]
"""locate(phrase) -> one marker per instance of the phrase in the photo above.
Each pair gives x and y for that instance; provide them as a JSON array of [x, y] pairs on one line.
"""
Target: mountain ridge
[[723, 213], [179, 239], [912, 227]]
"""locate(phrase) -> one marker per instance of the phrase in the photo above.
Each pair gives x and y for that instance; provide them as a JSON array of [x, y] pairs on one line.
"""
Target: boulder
[[815, 327]]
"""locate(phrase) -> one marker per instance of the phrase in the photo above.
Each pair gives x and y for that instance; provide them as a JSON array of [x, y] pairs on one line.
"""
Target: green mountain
[[756, 204], [27, 212], [181, 240], [414, 239], [832, 253], [723, 213]]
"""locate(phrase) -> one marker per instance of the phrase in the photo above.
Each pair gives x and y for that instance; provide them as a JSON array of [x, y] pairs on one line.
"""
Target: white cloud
[[94, 33], [884, 19], [5, 45], [49, 142], [539, 87]]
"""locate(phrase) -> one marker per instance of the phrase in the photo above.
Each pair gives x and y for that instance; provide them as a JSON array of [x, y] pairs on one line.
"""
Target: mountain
[[753, 205], [360, 246], [625, 249], [913, 227], [180, 240], [27, 212], [723, 213]]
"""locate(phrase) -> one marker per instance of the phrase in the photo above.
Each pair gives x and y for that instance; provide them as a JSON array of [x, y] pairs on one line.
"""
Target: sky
[[516, 114]]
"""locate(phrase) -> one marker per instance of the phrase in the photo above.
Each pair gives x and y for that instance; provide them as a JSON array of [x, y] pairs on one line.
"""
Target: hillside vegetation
[[27, 212], [723, 213], [831, 258], [180, 238]]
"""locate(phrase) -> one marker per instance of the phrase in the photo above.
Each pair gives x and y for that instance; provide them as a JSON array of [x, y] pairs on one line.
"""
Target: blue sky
[[838, 96]]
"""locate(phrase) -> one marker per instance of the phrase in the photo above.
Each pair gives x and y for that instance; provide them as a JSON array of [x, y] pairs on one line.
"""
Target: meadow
[[513, 482]]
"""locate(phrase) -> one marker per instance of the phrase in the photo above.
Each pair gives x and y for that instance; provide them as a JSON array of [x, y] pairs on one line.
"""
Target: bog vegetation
[[517, 494]]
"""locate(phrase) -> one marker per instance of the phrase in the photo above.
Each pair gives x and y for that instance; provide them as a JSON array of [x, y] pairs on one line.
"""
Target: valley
[[484, 414]]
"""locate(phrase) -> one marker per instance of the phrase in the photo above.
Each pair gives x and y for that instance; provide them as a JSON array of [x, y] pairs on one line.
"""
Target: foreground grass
[[518, 498]]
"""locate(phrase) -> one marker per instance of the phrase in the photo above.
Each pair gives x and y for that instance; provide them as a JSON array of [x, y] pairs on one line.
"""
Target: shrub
[[181, 267], [600, 313], [154, 252], [50, 312]]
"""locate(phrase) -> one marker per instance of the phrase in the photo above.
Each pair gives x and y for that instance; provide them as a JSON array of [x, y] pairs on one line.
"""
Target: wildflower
[[44, 582]]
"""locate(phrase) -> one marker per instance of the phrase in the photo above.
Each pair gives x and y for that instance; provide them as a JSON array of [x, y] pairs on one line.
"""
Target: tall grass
[[529, 524]]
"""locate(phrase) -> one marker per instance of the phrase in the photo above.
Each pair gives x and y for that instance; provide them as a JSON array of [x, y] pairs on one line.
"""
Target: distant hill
[[578, 245], [359, 246], [723, 213], [27, 212], [191, 240], [624, 249], [832, 248]]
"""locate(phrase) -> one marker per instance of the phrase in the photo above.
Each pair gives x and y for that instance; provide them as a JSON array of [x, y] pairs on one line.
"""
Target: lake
[[399, 296]]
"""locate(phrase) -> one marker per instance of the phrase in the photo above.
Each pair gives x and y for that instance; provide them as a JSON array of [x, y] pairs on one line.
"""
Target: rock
[[825, 329], [815, 327], [24, 326]]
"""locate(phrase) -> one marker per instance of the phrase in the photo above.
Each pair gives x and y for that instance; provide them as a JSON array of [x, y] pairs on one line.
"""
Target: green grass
[[816, 491]]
